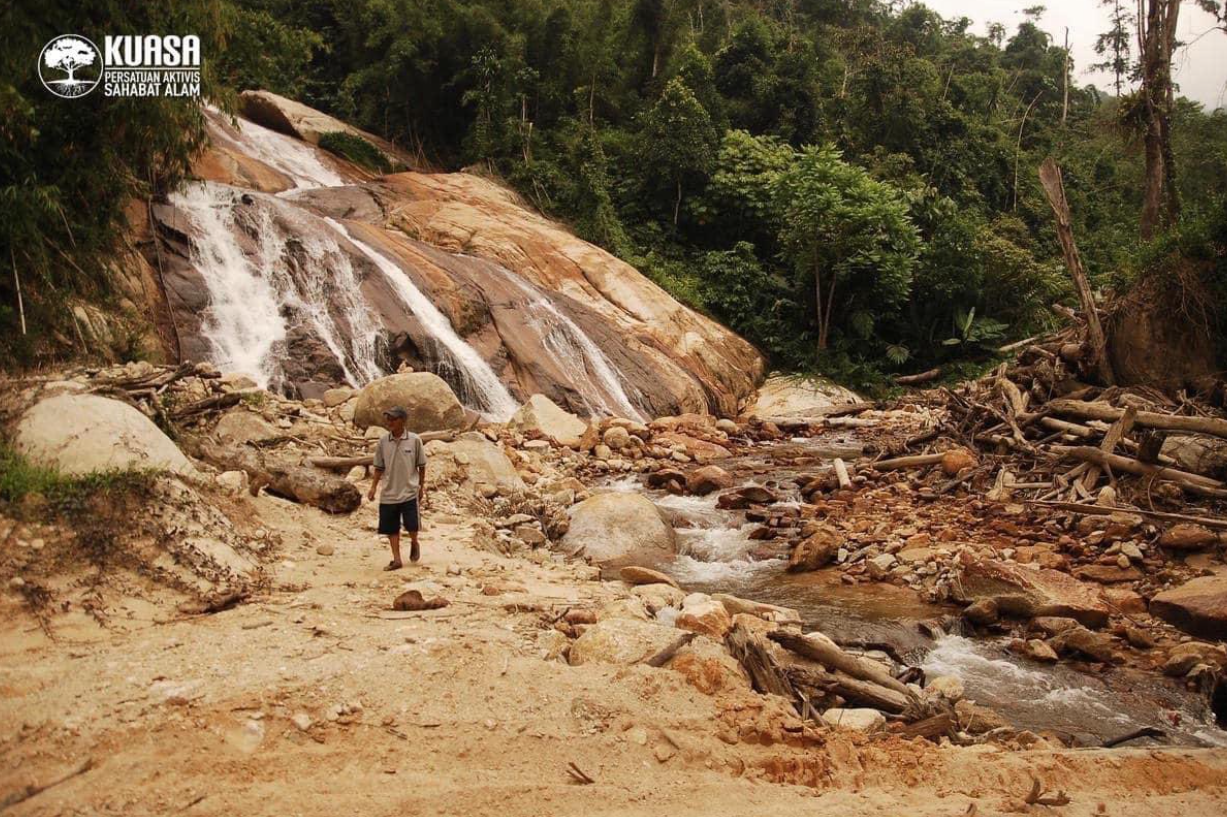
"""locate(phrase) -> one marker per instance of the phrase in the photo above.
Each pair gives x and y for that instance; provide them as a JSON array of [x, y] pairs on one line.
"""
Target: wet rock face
[[549, 313]]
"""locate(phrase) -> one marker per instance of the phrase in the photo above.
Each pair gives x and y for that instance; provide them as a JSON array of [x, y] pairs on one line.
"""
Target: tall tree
[[679, 140], [1156, 25], [1113, 44]]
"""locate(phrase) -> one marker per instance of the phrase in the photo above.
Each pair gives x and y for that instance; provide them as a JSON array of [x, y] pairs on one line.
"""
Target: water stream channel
[[717, 556]]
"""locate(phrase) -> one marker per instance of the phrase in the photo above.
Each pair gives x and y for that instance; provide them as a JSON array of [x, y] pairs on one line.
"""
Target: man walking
[[400, 463]]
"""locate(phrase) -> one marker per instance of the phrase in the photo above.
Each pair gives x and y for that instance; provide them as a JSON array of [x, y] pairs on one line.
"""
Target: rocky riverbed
[[234, 647]]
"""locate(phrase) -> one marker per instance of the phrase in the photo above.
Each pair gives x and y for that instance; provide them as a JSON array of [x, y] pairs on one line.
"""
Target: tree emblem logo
[[70, 66]]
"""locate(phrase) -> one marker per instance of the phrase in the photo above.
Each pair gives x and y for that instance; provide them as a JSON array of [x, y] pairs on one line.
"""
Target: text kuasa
[[153, 65]]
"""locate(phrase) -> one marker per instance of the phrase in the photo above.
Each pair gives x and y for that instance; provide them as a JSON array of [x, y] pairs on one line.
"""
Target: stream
[[717, 556]]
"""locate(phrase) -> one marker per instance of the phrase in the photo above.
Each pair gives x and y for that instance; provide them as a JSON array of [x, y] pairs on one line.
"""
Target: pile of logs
[[1047, 437]]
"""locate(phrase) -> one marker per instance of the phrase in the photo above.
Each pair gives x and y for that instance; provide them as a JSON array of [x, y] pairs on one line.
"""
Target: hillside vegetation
[[850, 185]]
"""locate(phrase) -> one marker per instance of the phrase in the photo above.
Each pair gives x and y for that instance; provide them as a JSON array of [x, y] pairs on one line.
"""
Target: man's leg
[[394, 543], [412, 524]]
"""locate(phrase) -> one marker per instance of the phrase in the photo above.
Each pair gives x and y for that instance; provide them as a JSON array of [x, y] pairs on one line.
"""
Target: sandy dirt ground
[[461, 711]]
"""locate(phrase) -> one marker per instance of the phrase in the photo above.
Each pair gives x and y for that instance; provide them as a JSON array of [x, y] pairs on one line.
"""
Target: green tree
[[847, 234], [678, 139]]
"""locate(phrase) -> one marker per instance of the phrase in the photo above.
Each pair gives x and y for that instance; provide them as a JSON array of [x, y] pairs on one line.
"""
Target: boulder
[[982, 612], [1199, 454], [620, 641], [1199, 607], [816, 551], [472, 460], [335, 397], [429, 400], [619, 526], [855, 720], [949, 687], [541, 415], [616, 437], [705, 616], [702, 481], [795, 397], [699, 450], [243, 426], [1081, 641], [656, 597], [707, 666], [1187, 536], [84, 434], [1026, 592]]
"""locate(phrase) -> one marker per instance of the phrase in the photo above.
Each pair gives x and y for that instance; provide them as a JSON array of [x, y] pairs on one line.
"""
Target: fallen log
[[1195, 483], [1099, 510], [922, 377], [661, 658], [342, 463], [305, 485], [841, 473], [1214, 426], [853, 690], [753, 653], [216, 402], [817, 647], [1119, 430], [941, 725], [917, 461]]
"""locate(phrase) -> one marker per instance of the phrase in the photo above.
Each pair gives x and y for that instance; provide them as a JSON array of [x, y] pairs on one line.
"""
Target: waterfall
[[285, 153], [300, 276], [477, 383], [598, 384]]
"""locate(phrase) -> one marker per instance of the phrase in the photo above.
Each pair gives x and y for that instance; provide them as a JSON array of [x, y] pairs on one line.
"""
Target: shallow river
[[715, 558]]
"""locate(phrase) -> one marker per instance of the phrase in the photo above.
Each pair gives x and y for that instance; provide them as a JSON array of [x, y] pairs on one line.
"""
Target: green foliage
[[68, 168], [678, 139], [21, 480], [357, 150], [848, 239]]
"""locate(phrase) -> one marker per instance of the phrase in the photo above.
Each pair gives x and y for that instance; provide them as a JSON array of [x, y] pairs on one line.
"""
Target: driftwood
[[918, 461], [216, 402], [1214, 426], [1119, 430], [817, 647], [1099, 510], [923, 377], [841, 473], [1144, 732], [754, 654], [1054, 189], [854, 690], [1195, 483], [941, 725], [305, 485]]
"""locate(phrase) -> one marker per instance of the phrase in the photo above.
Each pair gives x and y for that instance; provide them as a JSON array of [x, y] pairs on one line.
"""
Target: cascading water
[[252, 300], [478, 385], [598, 384], [286, 154]]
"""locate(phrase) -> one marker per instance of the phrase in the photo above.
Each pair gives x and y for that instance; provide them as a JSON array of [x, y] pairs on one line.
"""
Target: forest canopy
[[850, 184]]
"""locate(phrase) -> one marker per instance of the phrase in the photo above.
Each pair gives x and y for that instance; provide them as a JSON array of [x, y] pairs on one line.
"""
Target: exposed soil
[[461, 711]]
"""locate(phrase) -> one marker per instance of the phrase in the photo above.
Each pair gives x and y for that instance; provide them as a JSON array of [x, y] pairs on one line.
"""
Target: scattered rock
[[702, 481], [1199, 607], [815, 551], [620, 641], [325, 550], [957, 460], [302, 721], [982, 612], [413, 601], [1026, 593], [855, 720], [1079, 640], [335, 397], [233, 482], [946, 686], [705, 616]]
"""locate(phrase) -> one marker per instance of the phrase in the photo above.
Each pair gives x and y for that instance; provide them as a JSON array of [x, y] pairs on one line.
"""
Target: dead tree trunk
[[1156, 42], [1054, 189], [306, 485]]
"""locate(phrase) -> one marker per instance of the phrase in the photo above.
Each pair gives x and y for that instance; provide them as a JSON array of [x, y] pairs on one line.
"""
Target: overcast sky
[[1200, 68]]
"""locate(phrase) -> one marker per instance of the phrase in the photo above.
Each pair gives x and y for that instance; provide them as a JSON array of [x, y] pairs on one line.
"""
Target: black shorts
[[391, 515]]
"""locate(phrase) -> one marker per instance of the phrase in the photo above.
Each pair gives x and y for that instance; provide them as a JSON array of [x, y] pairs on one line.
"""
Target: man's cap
[[396, 411]]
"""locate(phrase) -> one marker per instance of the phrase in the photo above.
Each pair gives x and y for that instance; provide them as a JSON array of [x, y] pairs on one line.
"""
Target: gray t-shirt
[[399, 458]]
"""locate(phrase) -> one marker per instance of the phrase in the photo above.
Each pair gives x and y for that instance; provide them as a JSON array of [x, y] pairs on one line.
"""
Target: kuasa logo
[[71, 66]]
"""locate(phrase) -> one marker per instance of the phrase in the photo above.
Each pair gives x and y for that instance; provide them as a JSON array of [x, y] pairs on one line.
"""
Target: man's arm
[[378, 465], [421, 464]]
